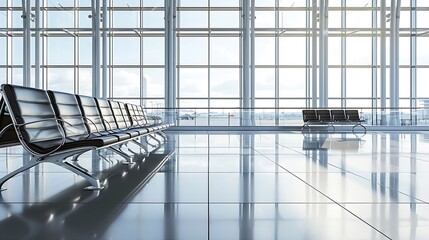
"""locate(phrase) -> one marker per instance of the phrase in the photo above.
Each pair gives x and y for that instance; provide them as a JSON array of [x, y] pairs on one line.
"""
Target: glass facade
[[211, 56]]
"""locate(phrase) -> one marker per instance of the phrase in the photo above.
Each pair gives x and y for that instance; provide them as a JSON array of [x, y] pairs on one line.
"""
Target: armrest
[[62, 132], [92, 122], [155, 118]]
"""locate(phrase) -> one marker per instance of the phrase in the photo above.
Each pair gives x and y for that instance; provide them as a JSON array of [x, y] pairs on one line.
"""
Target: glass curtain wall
[[209, 45]]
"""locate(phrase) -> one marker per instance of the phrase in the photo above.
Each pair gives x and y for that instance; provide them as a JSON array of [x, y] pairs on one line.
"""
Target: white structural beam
[[252, 64], [104, 79], [395, 9], [246, 121], [314, 83], [413, 62], [383, 56], [95, 16], [374, 73], [323, 53], [170, 61], [26, 40], [343, 55], [37, 46]]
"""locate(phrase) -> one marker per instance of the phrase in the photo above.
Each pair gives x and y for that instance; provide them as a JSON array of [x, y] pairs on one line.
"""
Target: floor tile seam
[[329, 198], [362, 177]]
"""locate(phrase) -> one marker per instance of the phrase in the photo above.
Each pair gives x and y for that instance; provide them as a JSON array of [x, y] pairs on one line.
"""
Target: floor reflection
[[235, 186]]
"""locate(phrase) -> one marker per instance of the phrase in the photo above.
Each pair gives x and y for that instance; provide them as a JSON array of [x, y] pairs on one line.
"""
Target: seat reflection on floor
[[74, 213]]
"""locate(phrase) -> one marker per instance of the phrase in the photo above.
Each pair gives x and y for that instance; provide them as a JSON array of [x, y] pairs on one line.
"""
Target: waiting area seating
[[54, 126], [331, 118]]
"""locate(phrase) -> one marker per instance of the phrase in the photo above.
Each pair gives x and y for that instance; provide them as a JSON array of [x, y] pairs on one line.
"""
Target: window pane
[[224, 19], [193, 50], [193, 19], [85, 50], [126, 51], [358, 83], [265, 19], [292, 82], [153, 83], [61, 79], [224, 3], [153, 50], [292, 51], [60, 19], [3, 47], [85, 81], [60, 50], [359, 51], [265, 51], [224, 82], [224, 51], [3, 75], [193, 82], [126, 82], [264, 82], [153, 19], [292, 19], [422, 51]]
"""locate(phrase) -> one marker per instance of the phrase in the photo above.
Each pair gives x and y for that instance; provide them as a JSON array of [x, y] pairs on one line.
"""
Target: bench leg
[[140, 145], [33, 162], [95, 183], [147, 141], [122, 154], [359, 124], [156, 139], [162, 134]]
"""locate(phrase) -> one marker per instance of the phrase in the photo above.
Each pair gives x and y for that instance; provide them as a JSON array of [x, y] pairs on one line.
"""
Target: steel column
[[252, 65], [95, 14], [323, 53], [374, 62], [314, 55], [104, 79], [343, 55], [245, 121], [383, 55], [413, 63], [37, 46], [276, 63], [26, 40], [170, 60], [395, 8]]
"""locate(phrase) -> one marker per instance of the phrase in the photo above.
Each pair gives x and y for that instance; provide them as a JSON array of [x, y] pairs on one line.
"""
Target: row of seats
[[53, 126], [337, 116]]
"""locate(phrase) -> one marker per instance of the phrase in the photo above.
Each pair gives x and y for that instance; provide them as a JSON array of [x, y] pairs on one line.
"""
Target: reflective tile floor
[[231, 186]]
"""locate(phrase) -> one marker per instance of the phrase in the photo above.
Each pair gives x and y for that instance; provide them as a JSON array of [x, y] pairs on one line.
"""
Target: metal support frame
[[37, 46], [395, 9], [343, 55], [252, 65], [95, 16], [383, 55], [58, 159], [170, 61], [307, 54], [105, 56], [245, 121], [276, 70], [26, 40], [413, 63], [374, 73], [323, 53], [314, 55]]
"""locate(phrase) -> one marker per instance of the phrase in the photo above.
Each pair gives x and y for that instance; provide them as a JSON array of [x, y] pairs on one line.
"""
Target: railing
[[283, 116]]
